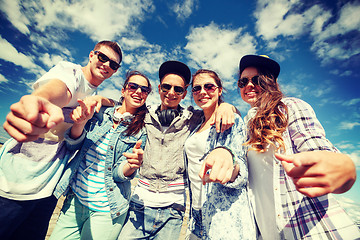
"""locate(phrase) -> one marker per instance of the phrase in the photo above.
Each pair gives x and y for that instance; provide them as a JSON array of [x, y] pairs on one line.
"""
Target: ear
[[220, 91], [91, 55], [159, 87], [122, 92]]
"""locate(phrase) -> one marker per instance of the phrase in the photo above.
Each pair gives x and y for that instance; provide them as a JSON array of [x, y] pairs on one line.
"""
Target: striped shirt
[[89, 184], [298, 216]]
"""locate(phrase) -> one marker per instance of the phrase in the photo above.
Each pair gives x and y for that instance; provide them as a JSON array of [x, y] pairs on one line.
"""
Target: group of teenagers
[[269, 175]]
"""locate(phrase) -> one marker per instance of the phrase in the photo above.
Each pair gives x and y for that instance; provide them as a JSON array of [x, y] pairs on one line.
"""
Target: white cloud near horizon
[[351, 207]]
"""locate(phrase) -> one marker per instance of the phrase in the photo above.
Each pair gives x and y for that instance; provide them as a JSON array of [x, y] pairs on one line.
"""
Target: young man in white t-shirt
[[32, 161]]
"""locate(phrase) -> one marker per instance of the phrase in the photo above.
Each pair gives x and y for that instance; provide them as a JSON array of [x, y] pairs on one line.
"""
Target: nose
[[203, 90], [138, 91], [250, 84], [172, 90], [107, 64]]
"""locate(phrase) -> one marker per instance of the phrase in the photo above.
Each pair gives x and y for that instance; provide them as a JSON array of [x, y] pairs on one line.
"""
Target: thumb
[[55, 113], [138, 144], [98, 106]]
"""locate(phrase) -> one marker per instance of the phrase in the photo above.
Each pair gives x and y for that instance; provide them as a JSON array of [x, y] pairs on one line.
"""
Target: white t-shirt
[[31, 170], [195, 147], [261, 187]]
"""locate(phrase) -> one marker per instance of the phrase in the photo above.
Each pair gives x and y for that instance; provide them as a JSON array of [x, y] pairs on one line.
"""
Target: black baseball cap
[[261, 61], [175, 67]]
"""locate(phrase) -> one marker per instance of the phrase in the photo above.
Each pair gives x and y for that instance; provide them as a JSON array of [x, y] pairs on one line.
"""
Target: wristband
[[232, 154]]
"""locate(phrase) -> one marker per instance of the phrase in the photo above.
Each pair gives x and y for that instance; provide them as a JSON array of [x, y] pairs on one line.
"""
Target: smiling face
[[99, 70], [133, 99], [250, 92], [207, 100], [170, 99]]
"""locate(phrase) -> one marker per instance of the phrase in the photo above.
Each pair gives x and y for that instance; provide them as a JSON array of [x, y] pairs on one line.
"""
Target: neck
[[210, 112], [164, 108], [124, 108], [89, 77]]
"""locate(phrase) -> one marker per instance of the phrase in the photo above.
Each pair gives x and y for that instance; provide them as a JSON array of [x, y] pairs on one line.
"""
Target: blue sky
[[317, 44]]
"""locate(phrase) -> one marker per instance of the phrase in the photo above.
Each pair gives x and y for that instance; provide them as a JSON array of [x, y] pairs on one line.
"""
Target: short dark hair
[[111, 44]]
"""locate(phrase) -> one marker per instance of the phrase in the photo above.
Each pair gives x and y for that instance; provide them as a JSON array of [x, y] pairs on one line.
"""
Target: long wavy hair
[[137, 123], [270, 121]]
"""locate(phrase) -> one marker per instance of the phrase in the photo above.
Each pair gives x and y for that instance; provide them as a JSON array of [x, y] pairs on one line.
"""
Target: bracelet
[[232, 154]]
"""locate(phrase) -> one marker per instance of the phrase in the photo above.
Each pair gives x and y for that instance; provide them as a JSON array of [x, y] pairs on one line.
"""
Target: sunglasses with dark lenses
[[166, 87], [103, 58], [208, 87], [133, 87], [244, 81]]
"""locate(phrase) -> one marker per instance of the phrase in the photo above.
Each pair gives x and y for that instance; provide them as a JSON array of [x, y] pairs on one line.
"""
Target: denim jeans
[[77, 221], [25, 219], [195, 230], [152, 223]]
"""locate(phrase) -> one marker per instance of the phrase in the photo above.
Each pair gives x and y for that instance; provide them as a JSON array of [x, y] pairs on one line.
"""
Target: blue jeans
[[152, 223], [27, 219], [195, 225]]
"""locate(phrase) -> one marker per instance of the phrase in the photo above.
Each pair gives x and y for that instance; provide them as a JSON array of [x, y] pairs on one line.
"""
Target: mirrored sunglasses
[[167, 87], [103, 58], [244, 81], [133, 87], [208, 87]]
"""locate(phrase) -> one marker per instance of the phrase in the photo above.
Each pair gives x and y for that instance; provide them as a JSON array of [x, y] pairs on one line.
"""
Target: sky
[[316, 42]]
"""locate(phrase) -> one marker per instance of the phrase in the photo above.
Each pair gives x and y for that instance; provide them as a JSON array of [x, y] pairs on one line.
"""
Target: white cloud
[[185, 9], [337, 39], [348, 125], [11, 54], [219, 48], [275, 18], [2, 78], [352, 149], [50, 60], [13, 11], [351, 102], [99, 20]]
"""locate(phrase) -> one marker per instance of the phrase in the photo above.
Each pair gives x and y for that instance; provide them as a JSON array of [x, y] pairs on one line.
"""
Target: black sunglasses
[[134, 86], [166, 87], [209, 87], [103, 58], [244, 81]]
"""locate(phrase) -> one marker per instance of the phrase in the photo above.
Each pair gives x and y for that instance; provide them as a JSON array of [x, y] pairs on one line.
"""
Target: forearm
[[55, 91]]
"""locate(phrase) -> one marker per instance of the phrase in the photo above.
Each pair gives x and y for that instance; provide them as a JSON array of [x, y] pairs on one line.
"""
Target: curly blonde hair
[[271, 120]]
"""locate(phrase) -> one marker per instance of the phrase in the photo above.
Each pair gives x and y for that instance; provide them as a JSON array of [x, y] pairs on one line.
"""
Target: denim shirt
[[118, 186], [226, 212]]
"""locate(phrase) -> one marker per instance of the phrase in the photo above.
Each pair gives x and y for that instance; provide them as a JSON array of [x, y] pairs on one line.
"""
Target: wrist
[[230, 151]]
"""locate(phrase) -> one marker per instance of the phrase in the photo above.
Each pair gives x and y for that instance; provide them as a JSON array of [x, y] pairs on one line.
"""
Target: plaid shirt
[[298, 216]]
